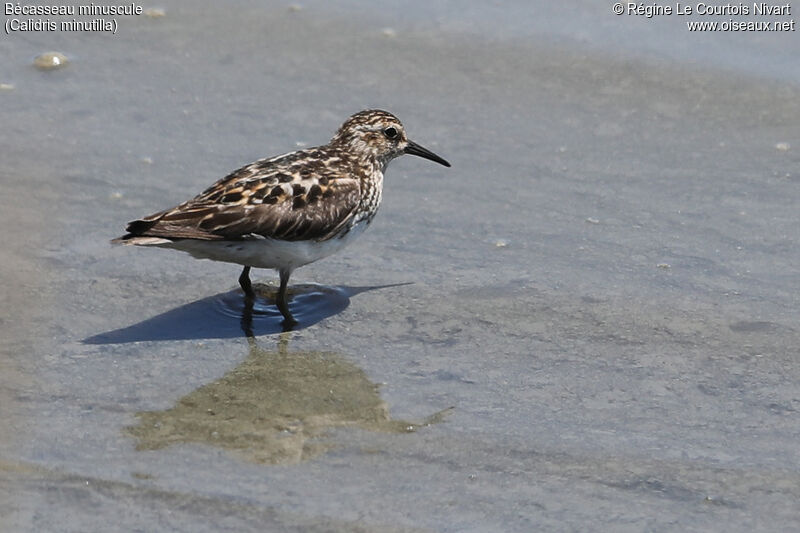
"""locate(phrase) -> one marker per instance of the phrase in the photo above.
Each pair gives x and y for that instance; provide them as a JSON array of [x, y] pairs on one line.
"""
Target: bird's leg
[[247, 287], [246, 321], [283, 302]]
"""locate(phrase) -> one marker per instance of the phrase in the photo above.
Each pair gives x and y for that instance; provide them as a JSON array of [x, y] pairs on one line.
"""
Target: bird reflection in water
[[275, 407]]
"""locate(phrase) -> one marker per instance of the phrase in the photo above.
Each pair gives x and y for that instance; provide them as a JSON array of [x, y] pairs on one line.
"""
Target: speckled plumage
[[290, 210]]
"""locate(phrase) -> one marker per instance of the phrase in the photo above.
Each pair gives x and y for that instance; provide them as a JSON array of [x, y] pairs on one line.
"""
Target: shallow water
[[589, 321]]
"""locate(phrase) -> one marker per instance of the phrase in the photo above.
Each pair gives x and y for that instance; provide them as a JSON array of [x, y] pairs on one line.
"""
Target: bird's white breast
[[266, 253]]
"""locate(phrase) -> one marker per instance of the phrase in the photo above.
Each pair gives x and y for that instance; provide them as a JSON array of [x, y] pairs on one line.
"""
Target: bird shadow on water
[[229, 315]]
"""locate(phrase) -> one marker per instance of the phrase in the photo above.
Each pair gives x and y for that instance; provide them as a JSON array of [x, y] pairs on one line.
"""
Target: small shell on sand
[[50, 60], [782, 147], [155, 12]]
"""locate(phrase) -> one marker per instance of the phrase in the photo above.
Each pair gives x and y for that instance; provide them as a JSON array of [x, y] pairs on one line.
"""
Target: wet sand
[[603, 288]]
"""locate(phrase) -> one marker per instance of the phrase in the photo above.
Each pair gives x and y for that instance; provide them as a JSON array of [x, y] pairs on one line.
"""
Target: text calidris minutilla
[[290, 210]]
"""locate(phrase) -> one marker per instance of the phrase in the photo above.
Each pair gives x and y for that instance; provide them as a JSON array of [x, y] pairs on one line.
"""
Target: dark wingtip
[[138, 227]]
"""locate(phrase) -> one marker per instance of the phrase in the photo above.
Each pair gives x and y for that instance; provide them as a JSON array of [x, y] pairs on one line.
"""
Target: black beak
[[415, 149]]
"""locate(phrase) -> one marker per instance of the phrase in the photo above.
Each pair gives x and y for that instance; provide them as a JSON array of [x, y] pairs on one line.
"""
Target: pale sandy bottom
[[603, 287]]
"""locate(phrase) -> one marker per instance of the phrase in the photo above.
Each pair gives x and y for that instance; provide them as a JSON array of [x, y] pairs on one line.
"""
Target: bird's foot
[[288, 323]]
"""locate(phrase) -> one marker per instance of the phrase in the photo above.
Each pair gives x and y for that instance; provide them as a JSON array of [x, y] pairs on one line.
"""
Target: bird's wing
[[285, 198]]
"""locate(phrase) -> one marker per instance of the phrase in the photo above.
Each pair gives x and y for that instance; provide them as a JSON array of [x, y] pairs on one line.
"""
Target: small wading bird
[[290, 210]]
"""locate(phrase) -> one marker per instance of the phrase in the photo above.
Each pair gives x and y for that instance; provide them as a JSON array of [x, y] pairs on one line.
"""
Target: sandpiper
[[286, 211]]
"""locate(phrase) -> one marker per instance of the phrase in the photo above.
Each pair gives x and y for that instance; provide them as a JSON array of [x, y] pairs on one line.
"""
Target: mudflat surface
[[589, 322]]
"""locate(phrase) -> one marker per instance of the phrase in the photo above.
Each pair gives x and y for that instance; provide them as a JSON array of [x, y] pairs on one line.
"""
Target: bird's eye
[[391, 133]]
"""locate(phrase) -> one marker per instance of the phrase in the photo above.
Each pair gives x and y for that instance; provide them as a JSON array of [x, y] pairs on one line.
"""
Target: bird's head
[[380, 136]]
